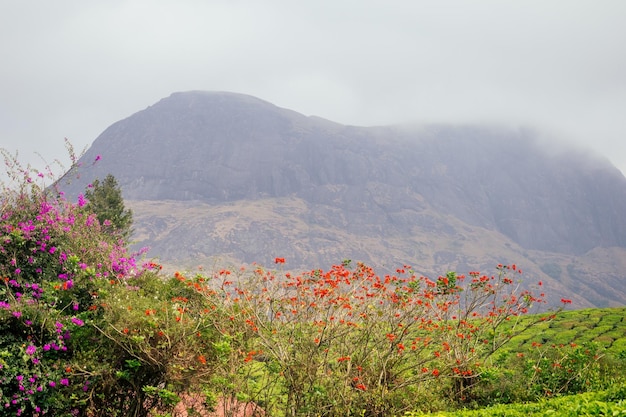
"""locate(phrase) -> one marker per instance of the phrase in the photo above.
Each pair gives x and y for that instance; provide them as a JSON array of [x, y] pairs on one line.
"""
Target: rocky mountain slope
[[227, 178]]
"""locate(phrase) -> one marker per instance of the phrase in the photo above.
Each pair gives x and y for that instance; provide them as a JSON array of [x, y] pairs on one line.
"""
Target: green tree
[[106, 201]]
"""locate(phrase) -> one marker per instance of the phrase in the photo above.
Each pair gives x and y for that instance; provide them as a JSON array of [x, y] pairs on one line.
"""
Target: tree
[[106, 201]]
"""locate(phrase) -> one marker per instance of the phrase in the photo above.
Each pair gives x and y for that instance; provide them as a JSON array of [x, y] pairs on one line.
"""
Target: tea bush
[[604, 403]]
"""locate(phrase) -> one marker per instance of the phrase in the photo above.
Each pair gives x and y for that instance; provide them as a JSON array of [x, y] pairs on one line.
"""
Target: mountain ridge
[[362, 184]]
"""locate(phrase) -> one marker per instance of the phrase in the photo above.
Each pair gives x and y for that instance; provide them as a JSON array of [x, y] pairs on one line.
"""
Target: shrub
[[346, 341], [68, 286]]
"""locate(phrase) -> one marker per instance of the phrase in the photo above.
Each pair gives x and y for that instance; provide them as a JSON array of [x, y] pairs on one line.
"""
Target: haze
[[70, 69]]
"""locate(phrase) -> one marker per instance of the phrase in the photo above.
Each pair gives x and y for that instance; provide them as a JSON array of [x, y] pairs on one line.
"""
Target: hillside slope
[[231, 178]]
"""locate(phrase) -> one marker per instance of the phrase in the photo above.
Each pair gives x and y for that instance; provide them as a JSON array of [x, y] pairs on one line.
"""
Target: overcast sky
[[72, 68]]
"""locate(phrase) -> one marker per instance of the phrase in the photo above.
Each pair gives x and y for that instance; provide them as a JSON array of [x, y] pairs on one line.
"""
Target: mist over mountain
[[224, 177]]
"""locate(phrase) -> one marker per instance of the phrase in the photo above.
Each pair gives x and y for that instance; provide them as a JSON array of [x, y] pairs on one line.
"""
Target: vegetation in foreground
[[611, 402], [88, 328]]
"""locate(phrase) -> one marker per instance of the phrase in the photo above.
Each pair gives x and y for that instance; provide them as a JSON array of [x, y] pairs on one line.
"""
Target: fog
[[70, 69]]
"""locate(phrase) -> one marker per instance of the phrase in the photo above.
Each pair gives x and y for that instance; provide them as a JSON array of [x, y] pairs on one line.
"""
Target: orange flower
[[250, 354], [202, 359]]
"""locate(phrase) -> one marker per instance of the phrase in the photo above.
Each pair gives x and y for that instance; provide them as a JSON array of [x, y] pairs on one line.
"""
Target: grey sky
[[72, 68]]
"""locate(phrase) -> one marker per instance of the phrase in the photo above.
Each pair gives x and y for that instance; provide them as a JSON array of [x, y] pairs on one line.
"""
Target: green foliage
[[346, 341], [105, 200], [87, 329], [65, 289], [604, 403]]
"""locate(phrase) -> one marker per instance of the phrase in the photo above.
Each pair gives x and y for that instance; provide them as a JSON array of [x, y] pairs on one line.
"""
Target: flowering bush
[[348, 341], [53, 260], [561, 369]]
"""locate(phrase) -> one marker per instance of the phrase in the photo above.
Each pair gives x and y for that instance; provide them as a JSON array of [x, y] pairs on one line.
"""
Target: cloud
[[74, 68]]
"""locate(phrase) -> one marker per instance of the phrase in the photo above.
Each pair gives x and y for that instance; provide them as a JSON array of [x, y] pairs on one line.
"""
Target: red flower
[[566, 301], [279, 260]]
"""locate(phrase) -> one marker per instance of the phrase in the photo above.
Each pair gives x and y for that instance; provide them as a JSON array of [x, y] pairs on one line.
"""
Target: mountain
[[216, 177]]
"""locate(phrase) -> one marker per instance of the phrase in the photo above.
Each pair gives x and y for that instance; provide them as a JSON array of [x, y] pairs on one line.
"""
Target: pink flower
[[77, 321]]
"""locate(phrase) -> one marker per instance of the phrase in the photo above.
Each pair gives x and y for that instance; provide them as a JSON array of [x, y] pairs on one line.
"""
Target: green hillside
[[605, 327], [611, 402]]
